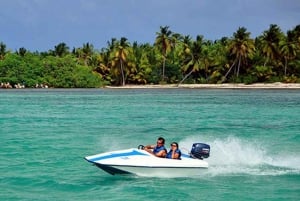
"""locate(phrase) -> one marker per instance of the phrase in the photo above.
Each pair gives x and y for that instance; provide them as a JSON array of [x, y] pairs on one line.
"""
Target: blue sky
[[42, 24]]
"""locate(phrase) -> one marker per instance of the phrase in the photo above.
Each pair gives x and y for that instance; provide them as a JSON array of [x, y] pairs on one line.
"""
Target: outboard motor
[[200, 151]]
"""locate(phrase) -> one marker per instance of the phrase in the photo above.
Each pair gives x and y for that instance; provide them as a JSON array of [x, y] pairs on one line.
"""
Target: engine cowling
[[200, 151]]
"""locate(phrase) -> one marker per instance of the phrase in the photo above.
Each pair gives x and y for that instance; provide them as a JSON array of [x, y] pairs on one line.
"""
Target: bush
[[290, 79], [249, 79]]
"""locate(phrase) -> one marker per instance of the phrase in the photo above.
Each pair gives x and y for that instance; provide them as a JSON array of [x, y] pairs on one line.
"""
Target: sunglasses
[[173, 145], [159, 142]]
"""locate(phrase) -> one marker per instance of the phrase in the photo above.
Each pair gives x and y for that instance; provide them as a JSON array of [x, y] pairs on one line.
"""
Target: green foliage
[[172, 73], [249, 79], [262, 73], [59, 72], [273, 56], [291, 79], [154, 77], [201, 80], [84, 78]]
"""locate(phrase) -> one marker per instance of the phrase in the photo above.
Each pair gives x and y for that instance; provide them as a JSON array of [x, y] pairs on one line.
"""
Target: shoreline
[[277, 85]]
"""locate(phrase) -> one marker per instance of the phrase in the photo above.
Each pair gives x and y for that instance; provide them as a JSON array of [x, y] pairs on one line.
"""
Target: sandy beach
[[277, 85]]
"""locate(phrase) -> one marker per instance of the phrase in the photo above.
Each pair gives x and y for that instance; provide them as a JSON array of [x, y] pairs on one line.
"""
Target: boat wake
[[232, 156]]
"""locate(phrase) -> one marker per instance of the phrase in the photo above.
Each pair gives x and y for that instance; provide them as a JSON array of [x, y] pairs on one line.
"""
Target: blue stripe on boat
[[132, 153], [185, 155]]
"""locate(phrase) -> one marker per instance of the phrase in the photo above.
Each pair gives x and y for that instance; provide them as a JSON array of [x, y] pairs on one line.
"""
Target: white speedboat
[[140, 162]]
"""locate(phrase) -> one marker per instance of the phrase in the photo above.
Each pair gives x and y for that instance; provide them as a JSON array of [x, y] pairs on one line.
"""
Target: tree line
[[173, 58]]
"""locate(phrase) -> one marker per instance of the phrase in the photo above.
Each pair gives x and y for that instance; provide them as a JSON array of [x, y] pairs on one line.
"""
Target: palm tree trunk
[[285, 65], [265, 63], [186, 76], [206, 72], [122, 72], [228, 71], [163, 69], [238, 69]]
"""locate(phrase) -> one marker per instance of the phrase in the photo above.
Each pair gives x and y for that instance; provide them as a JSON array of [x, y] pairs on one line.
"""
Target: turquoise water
[[44, 135]]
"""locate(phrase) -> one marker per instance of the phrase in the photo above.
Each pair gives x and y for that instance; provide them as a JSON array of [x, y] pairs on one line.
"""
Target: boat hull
[[141, 163]]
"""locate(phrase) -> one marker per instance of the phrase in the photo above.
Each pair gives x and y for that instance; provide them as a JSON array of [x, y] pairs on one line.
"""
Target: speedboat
[[139, 162]]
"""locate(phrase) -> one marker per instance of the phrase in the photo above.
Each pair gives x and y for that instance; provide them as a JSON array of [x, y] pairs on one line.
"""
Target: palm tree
[[61, 49], [22, 51], [105, 60], [103, 64], [163, 41], [192, 62], [140, 65], [2, 50], [241, 48], [208, 59], [87, 50], [295, 38], [269, 43], [288, 49], [119, 56], [84, 53], [187, 43], [215, 59], [111, 44]]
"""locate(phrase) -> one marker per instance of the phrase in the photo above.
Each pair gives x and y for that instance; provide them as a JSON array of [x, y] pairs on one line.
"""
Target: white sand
[[277, 85]]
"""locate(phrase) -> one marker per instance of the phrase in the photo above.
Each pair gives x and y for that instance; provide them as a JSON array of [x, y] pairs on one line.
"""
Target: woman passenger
[[174, 152]]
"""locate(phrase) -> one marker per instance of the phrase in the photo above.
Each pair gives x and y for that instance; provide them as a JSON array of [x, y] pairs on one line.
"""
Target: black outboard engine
[[200, 151]]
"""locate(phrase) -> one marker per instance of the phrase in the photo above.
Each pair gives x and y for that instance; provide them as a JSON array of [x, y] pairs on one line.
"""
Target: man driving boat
[[159, 149]]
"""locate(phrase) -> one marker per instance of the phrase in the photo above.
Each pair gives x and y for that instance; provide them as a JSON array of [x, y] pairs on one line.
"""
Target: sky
[[39, 25]]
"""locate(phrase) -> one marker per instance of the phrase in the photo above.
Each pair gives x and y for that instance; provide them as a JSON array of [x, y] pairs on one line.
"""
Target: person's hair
[[161, 139], [175, 144]]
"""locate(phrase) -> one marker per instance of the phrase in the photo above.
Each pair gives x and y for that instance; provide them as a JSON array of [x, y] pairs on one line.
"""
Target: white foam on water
[[233, 156]]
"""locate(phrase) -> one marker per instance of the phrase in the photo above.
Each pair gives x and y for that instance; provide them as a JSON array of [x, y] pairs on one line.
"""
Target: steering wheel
[[141, 146]]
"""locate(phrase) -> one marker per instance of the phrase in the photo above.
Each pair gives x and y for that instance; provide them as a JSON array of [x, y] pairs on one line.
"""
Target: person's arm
[[149, 148], [161, 154], [175, 155]]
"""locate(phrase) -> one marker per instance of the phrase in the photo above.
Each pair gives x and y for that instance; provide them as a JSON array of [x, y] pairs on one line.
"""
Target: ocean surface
[[254, 136]]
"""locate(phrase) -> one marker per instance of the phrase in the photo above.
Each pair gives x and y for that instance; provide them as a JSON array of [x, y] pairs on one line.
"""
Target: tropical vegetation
[[173, 58]]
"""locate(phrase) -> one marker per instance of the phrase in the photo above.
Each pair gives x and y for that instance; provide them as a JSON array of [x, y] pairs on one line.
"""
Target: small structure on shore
[[41, 86], [6, 85]]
